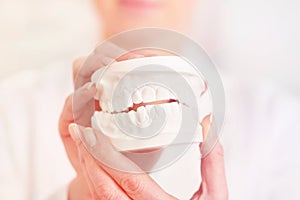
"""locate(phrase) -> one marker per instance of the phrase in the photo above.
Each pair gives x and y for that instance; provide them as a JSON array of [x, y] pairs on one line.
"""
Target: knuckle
[[77, 63], [219, 150], [76, 66], [81, 160], [65, 116], [104, 192], [216, 154], [68, 108], [132, 185], [68, 99], [67, 104], [218, 197], [221, 195]]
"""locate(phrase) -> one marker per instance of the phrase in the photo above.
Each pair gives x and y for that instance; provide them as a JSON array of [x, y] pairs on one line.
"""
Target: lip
[[140, 6]]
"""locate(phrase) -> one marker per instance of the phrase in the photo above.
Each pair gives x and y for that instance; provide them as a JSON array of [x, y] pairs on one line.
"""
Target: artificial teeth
[[162, 94], [140, 114], [137, 97], [148, 94], [142, 117]]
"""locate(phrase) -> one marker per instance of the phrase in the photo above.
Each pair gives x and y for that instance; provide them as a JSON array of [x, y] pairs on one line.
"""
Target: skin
[[116, 16], [96, 181]]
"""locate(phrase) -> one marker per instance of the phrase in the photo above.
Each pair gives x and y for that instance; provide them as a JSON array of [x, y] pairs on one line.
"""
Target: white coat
[[260, 139]]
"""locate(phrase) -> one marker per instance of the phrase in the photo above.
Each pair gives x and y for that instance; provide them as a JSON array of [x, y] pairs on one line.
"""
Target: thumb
[[213, 184], [213, 174]]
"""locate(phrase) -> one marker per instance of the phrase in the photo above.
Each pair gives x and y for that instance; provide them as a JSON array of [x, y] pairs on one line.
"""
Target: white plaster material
[[144, 96]]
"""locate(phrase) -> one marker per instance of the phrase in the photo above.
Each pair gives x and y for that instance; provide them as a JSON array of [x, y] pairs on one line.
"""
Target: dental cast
[[146, 97]]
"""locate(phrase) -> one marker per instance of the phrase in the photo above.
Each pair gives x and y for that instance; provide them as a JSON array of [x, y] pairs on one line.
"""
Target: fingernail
[[74, 131], [89, 137], [211, 118]]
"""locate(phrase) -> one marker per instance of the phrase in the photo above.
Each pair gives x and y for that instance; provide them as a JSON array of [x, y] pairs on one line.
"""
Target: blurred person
[[256, 138], [37, 165]]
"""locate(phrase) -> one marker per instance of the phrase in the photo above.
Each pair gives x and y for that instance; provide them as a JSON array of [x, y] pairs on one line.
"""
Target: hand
[[213, 186], [82, 86], [107, 183], [96, 181], [81, 78]]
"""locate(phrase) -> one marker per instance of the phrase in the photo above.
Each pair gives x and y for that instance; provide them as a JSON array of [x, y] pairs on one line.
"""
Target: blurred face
[[121, 15]]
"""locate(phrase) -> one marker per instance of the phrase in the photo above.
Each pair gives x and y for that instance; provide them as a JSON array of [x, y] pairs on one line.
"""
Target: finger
[[129, 56], [101, 185], [86, 180], [84, 104], [213, 184], [90, 65], [102, 56], [205, 124], [77, 64], [110, 50], [213, 174], [84, 97], [136, 186], [67, 118], [197, 195]]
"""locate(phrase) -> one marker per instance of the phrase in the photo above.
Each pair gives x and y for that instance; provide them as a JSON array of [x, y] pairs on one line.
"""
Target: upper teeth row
[[150, 93], [108, 78]]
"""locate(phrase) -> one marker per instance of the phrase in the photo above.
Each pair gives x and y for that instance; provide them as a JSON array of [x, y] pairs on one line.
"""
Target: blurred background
[[250, 37], [38, 33], [254, 40]]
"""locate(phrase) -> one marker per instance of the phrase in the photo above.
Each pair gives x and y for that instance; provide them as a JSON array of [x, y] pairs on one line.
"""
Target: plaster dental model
[[143, 99]]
